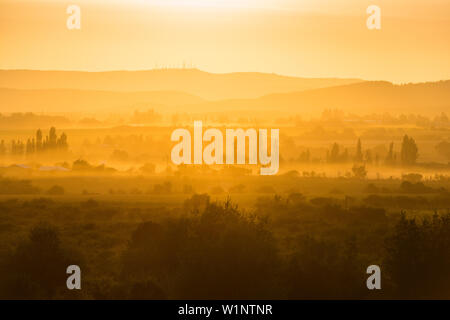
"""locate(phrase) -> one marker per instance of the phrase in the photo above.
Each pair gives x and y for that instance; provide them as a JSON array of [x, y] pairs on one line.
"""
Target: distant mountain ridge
[[211, 86], [359, 97], [365, 97]]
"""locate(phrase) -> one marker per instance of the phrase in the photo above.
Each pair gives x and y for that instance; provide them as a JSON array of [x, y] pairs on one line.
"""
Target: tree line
[[214, 250], [37, 144], [408, 155]]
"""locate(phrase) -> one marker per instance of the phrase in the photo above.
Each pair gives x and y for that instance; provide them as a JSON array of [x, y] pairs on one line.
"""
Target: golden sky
[[310, 38]]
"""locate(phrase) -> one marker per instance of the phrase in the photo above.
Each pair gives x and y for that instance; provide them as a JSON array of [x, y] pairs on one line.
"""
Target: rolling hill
[[364, 97], [206, 85], [361, 98]]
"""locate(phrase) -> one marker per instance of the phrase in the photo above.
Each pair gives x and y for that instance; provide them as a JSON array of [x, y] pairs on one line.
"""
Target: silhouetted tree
[[81, 165], [334, 154], [2, 148], [229, 254], [30, 147], [17, 147], [56, 191], [390, 158], [37, 268], [443, 148], [62, 142], [418, 257], [360, 172], [359, 153], [52, 138], [409, 152], [38, 140]]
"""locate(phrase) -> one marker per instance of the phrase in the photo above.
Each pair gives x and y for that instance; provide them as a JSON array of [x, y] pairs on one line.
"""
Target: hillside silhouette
[[203, 84], [364, 97], [361, 97]]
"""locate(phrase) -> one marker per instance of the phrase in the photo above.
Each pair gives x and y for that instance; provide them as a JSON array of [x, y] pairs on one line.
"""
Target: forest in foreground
[[198, 246]]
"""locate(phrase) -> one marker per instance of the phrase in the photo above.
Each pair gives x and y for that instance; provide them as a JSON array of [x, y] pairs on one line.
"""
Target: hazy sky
[[311, 38]]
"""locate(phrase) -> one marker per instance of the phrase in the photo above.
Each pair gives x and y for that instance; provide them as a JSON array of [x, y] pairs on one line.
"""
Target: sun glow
[[207, 3], [198, 3]]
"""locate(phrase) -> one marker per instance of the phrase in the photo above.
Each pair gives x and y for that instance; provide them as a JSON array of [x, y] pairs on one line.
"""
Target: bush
[[418, 257], [56, 191], [218, 254], [37, 267]]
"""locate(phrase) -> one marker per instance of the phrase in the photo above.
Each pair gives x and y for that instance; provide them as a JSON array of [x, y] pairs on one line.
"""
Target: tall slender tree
[[409, 152], [359, 153], [38, 140]]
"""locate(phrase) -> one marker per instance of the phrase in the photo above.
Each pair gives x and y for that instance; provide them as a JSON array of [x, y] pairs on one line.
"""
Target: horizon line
[[224, 73]]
